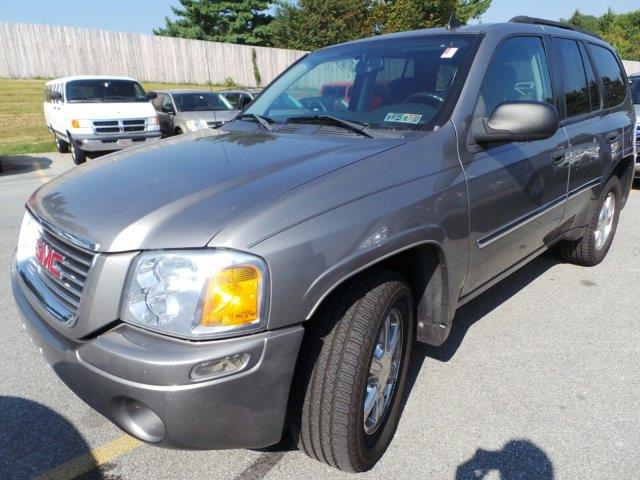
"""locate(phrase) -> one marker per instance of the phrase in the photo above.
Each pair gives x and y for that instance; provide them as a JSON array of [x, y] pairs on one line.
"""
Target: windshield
[[635, 90], [199, 102], [401, 83], [108, 91]]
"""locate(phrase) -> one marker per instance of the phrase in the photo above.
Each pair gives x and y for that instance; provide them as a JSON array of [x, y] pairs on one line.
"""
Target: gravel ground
[[539, 380]]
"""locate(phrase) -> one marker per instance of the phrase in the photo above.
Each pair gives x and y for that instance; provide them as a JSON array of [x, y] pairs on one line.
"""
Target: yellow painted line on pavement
[[95, 458], [41, 174]]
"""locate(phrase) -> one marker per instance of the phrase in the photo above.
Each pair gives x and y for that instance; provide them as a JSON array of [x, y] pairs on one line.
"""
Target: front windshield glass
[[635, 90], [107, 91], [400, 83], [200, 102]]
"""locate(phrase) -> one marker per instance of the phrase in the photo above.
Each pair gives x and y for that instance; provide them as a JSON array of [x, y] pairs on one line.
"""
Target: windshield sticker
[[449, 52], [403, 118]]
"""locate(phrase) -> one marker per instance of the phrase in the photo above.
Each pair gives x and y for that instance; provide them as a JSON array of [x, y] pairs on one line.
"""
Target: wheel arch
[[624, 170], [424, 266]]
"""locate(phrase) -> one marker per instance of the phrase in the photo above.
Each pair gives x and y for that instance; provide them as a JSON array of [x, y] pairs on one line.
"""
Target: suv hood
[[180, 192], [109, 111]]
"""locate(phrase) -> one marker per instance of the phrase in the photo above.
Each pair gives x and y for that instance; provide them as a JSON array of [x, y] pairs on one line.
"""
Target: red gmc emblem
[[48, 257]]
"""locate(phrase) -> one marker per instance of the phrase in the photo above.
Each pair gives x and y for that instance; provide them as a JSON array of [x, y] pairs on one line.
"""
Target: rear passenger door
[[586, 125], [516, 190]]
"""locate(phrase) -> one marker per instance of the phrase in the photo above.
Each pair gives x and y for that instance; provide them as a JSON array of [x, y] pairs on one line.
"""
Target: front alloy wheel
[[383, 372], [350, 380]]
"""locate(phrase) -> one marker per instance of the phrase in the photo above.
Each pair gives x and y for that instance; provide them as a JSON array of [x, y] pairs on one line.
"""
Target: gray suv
[[209, 290], [182, 111]]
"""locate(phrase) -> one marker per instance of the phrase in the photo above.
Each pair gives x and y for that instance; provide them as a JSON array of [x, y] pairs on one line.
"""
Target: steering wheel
[[314, 104], [425, 97]]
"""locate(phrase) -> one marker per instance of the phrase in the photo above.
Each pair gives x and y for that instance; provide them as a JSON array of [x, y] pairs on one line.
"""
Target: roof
[[504, 28], [89, 77]]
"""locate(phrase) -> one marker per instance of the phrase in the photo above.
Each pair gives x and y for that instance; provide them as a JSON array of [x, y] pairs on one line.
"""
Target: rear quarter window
[[608, 69]]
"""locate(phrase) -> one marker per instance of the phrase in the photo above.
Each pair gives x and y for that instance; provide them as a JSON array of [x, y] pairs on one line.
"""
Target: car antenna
[[453, 22], [206, 59]]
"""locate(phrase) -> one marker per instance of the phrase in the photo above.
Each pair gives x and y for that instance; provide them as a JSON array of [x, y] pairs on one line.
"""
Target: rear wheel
[[77, 154], [352, 380], [594, 245], [61, 145], [177, 131]]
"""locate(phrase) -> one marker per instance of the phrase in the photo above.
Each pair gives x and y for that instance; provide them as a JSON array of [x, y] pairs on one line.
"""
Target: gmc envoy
[[212, 289]]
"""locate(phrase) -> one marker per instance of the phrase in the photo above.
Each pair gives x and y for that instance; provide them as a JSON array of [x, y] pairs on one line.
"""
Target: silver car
[[183, 111]]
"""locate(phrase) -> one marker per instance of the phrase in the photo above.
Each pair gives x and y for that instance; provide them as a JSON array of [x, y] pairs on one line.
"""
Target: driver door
[[517, 190], [166, 116]]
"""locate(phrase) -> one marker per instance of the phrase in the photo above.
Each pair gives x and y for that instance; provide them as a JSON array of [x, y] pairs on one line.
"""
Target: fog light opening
[[220, 366]]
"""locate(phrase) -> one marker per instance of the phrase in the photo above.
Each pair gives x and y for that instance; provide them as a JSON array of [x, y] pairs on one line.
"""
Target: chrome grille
[[60, 295], [119, 126]]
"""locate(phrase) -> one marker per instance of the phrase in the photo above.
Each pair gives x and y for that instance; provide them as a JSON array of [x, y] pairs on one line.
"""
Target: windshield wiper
[[356, 127], [265, 122]]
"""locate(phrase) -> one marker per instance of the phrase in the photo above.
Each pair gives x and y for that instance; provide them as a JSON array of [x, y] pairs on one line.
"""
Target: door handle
[[558, 156], [612, 138]]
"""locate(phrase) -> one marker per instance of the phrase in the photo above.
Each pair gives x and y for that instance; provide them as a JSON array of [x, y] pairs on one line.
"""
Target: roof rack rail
[[551, 23]]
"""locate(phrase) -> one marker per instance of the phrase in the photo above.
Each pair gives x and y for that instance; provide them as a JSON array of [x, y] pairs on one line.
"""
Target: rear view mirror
[[56, 96], [369, 64], [168, 109], [152, 95], [517, 122]]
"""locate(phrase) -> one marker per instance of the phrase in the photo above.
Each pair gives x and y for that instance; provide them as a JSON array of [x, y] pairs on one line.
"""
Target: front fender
[[311, 259]]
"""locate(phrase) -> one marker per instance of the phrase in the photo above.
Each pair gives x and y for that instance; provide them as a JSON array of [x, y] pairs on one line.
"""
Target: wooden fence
[[42, 51]]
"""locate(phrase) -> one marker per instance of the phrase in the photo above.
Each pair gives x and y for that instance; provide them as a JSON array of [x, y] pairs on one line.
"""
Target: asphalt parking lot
[[539, 380]]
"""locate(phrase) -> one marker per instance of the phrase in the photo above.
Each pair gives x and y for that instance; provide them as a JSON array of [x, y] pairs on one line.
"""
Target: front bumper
[[141, 381], [100, 143]]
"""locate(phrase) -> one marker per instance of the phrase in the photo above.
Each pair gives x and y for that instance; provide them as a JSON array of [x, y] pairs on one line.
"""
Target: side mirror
[[152, 95], [517, 122], [168, 109], [56, 96]]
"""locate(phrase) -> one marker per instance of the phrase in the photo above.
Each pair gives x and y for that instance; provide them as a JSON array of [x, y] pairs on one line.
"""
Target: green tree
[[232, 21], [313, 24], [620, 30], [399, 15]]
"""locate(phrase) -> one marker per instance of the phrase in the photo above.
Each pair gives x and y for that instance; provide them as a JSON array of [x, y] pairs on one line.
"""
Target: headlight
[[196, 125], [196, 294]]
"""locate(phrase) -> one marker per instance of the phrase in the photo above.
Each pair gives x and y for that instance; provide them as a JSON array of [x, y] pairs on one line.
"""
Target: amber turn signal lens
[[232, 297], [75, 123]]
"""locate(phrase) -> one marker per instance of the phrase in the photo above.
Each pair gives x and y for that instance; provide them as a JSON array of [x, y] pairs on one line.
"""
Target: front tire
[[61, 145], [352, 380], [78, 155], [594, 245]]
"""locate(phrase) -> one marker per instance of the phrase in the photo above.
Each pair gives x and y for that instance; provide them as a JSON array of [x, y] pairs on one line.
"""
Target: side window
[[594, 88], [518, 71], [166, 102], [234, 99], [609, 72], [576, 90]]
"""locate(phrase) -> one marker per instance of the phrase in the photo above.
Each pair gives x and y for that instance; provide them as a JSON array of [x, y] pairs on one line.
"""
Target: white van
[[98, 113]]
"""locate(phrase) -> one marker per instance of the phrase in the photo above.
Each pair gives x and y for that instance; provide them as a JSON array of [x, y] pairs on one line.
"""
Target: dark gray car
[[182, 111], [206, 291]]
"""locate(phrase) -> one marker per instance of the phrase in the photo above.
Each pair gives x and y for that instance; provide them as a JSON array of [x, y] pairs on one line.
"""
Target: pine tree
[[232, 21]]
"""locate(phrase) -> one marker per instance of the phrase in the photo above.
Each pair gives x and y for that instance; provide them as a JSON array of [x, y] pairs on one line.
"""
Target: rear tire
[[594, 245], [339, 380], [77, 154], [61, 145], [177, 131]]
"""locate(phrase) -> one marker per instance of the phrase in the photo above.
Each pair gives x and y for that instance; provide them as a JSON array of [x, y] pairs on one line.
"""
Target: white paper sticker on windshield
[[403, 118], [449, 52]]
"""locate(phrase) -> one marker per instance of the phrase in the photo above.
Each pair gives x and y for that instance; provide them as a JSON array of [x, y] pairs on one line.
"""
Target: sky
[[142, 16]]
